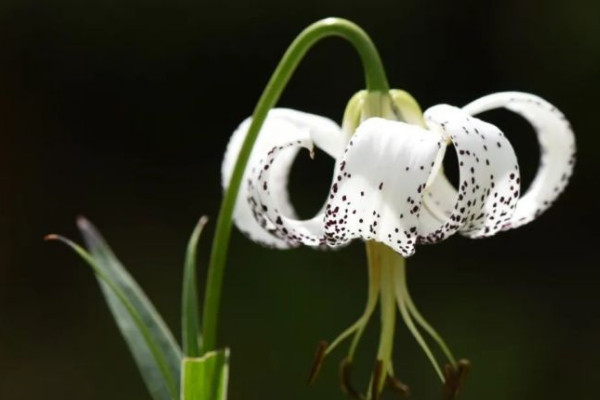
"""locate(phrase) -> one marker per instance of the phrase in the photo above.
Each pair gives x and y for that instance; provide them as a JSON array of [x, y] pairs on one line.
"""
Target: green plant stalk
[[206, 377], [376, 81]]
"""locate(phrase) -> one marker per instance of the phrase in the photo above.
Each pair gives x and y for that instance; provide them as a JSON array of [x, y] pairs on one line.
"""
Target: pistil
[[388, 316]]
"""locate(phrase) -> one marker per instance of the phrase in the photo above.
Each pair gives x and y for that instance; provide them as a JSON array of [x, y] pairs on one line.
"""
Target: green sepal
[[408, 108], [206, 377]]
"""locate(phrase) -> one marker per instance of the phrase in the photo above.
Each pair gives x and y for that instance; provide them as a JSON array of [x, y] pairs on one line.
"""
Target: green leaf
[[189, 303], [152, 345], [206, 378]]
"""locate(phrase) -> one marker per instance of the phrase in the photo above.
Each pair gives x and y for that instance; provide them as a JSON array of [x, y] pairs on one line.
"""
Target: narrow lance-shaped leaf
[[205, 378], [135, 318], [190, 314], [160, 367]]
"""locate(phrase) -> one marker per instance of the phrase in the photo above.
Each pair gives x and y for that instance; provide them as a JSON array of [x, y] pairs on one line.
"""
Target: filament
[[400, 284]]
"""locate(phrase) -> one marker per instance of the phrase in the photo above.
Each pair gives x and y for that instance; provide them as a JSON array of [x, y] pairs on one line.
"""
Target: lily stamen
[[396, 385], [318, 361], [346, 381], [401, 297], [414, 312], [378, 380], [358, 327], [455, 379]]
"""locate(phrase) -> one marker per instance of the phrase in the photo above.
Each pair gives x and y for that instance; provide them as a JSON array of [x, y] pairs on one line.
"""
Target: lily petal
[[268, 205], [375, 194], [281, 127], [378, 185], [557, 149], [488, 179]]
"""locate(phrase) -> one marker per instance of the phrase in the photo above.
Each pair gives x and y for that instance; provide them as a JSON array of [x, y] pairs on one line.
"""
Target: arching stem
[[376, 81]]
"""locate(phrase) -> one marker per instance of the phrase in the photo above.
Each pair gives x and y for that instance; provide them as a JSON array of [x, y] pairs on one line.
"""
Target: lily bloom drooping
[[389, 189]]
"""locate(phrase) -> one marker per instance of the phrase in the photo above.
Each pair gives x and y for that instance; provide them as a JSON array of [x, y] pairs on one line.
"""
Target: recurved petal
[[281, 127], [378, 184], [267, 203], [557, 149], [488, 179], [325, 133]]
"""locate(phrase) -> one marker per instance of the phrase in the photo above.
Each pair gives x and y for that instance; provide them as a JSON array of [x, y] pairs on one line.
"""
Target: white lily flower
[[389, 189], [388, 185]]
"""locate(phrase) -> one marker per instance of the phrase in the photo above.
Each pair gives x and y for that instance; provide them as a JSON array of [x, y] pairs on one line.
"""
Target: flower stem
[[376, 81]]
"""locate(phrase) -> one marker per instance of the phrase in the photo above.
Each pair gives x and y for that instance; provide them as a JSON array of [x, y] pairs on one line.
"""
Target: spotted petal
[[557, 149], [267, 202], [281, 126], [376, 191], [488, 179], [378, 185]]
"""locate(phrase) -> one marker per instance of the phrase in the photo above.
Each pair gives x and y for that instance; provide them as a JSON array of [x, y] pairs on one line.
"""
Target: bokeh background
[[121, 110]]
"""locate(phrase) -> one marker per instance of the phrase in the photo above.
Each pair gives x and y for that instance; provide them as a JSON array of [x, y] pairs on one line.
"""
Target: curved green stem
[[376, 81]]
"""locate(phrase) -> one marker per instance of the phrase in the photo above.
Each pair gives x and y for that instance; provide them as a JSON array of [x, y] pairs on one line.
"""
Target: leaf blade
[[119, 296], [161, 384], [190, 320]]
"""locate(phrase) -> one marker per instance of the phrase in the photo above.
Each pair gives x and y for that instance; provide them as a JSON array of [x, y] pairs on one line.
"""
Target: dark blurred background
[[121, 110]]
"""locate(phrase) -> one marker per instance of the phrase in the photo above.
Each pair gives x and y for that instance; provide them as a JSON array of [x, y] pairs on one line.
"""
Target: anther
[[346, 382], [455, 379], [376, 383], [396, 385], [318, 361], [464, 367]]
